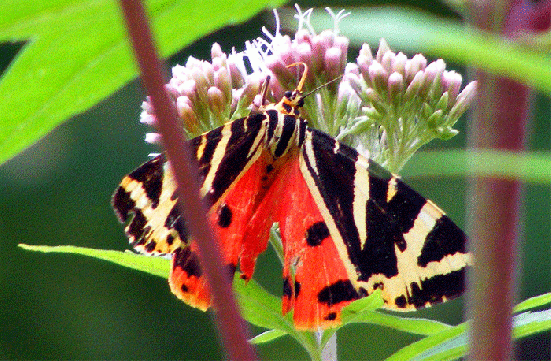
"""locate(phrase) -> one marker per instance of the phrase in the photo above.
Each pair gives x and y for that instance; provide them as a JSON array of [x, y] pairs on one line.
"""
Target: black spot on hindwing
[[170, 239], [338, 292], [316, 234], [188, 261], [150, 246], [224, 215], [400, 301], [288, 288], [331, 316]]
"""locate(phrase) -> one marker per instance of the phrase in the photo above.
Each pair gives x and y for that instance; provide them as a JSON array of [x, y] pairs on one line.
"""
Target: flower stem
[[500, 122], [329, 351]]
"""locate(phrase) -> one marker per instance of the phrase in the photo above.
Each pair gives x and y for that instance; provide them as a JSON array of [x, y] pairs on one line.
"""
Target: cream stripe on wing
[[217, 157], [408, 269], [361, 197]]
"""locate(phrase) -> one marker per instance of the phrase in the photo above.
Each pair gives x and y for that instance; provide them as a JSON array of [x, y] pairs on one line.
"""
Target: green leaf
[[452, 343], [364, 310], [156, 266], [267, 336], [414, 31], [533, 302], [77, 54], [259, 307], [355, 310], [527, 167], [529, 323], [417, 326], [263, 309], [449, 341]]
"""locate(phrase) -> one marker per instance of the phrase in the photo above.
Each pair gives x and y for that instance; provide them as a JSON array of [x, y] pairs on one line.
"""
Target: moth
[[348, 226]]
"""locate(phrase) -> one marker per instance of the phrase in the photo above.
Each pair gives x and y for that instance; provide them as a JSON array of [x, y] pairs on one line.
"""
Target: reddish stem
[[232, 328], [500, 122]]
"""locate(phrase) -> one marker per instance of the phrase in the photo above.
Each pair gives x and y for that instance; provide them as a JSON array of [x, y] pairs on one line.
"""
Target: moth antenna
[[304, 75], [322, 86], [264, 93]]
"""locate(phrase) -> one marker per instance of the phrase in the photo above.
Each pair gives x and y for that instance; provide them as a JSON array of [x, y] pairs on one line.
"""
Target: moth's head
[[292, 101]]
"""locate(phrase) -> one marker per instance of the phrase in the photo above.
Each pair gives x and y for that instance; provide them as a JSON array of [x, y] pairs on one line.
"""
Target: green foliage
[[155, 266], [452, 343], [77, 54], [527, 167], [260, 308]]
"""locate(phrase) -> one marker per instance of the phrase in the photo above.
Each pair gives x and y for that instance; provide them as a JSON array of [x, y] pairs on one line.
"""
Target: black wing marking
[[147, 195], [388, 236]]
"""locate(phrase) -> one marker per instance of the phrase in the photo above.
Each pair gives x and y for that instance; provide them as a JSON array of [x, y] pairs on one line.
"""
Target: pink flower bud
[[464, 100], [395, 86], [434, 71], [216, 51], [303, 36], [387, 61], [333, 64], [326, 38], [216, 100], [148, 119], [366, 53], [182, 104], [413, 66], [399, 63], [383, 48], [304, 54], [378, 76], [223, 82], [415, 85], [188, 88], [451, 83], [342, 42]]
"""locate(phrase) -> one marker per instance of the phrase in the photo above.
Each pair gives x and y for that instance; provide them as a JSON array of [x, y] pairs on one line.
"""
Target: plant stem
[[329, 351], [230, 325], [500, 121]]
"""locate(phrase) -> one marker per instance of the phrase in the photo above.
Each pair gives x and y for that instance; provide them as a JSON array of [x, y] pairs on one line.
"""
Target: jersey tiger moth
[[348, 226]]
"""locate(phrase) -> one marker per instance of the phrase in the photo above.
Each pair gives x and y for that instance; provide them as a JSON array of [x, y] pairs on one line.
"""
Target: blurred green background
[[70, 307]]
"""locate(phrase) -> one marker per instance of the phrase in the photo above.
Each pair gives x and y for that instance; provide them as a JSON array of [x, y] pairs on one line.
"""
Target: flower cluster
[[405, 103], [208, 94], [385, 105]]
